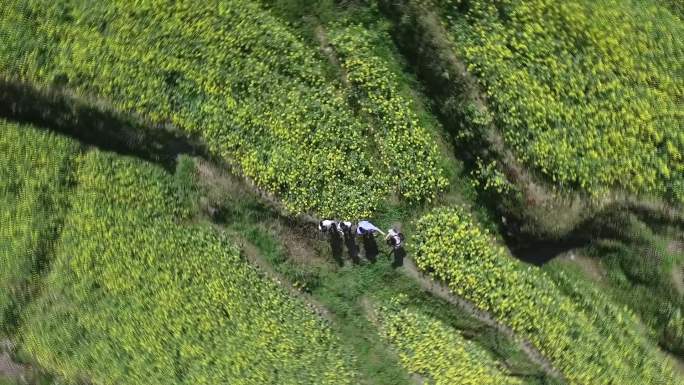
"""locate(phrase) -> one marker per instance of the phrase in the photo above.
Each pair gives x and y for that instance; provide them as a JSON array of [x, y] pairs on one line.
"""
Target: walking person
[[330, 228], [365, 227], [395, 240], [326, 225], [345, 228], [346, 231], [368, 232]]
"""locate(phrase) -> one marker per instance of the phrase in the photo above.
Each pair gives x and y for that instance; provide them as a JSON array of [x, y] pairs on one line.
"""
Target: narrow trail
[[215, 176], [440, 291], [228, 179], [330, 53], [254, 257], [163, 148], [8, 367]]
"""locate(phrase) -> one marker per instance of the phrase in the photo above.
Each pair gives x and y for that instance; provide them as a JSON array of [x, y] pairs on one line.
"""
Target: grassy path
[[292, 252]]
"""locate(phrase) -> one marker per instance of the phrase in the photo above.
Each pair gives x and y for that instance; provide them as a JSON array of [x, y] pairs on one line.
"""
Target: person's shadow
[[337, 247], [352, 248], [399, 255], [370, 248]]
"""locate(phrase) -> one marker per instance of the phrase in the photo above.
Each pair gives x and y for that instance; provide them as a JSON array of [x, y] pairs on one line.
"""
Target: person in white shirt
[[367, 228], [344, 228], [326, 225], [394, 239]]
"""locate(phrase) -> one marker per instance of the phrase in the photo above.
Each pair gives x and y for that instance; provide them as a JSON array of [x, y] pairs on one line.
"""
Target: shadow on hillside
[[107, 130], [454, 96], [612, 222], [540, 251]]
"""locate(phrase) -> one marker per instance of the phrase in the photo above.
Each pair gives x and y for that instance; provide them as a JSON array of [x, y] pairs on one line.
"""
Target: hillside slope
[[238, 78], [555, 127], [167, 300], [560, 114]]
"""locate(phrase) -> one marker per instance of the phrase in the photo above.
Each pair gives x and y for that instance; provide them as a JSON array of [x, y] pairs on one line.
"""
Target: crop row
[[432, 349], [138, 295], [587, 337], [404, 144], [237, 77], [588, 93], [34, 173]]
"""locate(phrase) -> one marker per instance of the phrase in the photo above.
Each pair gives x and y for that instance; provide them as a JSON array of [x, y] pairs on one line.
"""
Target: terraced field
[[590, 339], [36, 170], [144, 283], [589, 108], [260, 100], [171, 237]]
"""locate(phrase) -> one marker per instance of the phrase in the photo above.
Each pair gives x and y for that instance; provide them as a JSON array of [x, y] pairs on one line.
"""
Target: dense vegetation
[[117, 271], [402, 140], [591, 340], [588, 93], [35, 171], [677, 7], [166, 301], [345, 291], [637, 265], [240, 79], [430, 348]]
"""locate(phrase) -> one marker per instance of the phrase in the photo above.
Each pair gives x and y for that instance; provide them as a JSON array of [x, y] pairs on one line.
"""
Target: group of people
[[394, 238]]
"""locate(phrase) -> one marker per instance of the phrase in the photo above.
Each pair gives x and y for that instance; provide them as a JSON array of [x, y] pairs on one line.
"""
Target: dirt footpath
[[9, 368]]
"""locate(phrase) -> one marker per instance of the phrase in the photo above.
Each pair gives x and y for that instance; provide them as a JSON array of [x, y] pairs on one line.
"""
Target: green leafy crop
[[588, 93], [588, 338]]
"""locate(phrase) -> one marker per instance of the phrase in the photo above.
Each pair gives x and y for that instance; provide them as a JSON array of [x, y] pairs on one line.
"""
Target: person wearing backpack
[[326, 226], [394, 239]]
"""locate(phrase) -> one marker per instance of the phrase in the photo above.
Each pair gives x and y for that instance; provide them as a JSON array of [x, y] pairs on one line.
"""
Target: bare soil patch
[[225, 180], [675, 247], [8, 367], [210, 175], [299, 247]]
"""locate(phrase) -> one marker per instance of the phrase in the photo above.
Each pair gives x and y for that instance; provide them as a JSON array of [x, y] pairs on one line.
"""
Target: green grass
[[337, 288], [376, 28], [281, 121], [567, 325], [433, 350], [676, 6]]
